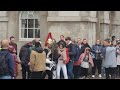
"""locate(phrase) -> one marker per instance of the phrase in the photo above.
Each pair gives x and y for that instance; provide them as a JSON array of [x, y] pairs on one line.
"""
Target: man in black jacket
[[25, 59], [84, 45], [72, 53], [62, 40]]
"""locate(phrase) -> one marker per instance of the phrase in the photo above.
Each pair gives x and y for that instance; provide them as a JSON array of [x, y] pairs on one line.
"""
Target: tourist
[[62, 40], [72, 52], [6, 70], [97, 51], [37, 62], [84, 45], [24, 56], [76, 68], [118, 59], [109, 61], [12, 43], [62, 61], [84, 61], [113, 42], [16, 60]]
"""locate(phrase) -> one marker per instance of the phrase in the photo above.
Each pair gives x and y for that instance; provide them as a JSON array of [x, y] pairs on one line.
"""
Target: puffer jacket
[[82, 56]]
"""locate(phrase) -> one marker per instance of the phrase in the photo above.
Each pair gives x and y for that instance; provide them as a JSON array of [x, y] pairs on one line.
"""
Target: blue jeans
[[5, 77], [102, 71], [70, 69]]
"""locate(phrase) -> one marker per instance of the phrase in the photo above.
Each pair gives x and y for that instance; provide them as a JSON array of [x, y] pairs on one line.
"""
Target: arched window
[[29, 25]]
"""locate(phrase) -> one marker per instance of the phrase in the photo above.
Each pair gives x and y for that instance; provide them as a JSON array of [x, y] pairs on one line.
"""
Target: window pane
[[37, 33], [23, 33], [30, 33], [30, 23], [24, 23], [24, 14], [36, 23]]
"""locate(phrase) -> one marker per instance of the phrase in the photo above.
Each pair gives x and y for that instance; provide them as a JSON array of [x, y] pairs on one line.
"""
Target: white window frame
[[20, 28]]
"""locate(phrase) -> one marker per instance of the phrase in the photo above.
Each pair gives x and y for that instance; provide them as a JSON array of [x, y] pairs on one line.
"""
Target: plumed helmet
[[50, 41]]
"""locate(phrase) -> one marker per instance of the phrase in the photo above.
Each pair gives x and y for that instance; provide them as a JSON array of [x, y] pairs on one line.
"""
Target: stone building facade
[[92, 25]]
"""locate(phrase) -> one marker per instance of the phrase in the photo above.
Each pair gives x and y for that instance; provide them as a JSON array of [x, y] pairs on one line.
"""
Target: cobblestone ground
[[19, 75], [89, 77]]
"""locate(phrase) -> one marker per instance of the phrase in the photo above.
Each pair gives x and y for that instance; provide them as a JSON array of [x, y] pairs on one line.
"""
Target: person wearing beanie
[[37, 62]]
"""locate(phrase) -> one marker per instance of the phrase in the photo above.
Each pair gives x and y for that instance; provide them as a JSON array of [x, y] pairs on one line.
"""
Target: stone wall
[[3, 24], [115, 24], [83, 24], [77, 24], [12, 27]]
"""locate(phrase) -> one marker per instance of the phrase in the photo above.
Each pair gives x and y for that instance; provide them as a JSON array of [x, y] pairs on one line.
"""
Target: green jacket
[[31, 48]]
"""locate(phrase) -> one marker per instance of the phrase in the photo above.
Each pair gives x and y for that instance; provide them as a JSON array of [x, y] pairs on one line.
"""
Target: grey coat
[[110, 57]]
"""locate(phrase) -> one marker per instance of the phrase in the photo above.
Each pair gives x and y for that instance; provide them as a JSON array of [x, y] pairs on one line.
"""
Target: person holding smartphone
[[62, 61]]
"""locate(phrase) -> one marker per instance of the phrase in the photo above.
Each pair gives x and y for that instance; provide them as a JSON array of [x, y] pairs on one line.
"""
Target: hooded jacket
[[9, 61], [72, 51], [82, 56], [37, 60], [25, 55]]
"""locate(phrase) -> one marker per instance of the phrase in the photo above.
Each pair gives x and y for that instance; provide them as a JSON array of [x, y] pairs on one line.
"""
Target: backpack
[[3, 64]]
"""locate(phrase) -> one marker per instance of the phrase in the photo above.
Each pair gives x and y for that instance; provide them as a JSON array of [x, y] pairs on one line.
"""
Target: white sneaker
[[83, 77], [100, 75], [93, 76]]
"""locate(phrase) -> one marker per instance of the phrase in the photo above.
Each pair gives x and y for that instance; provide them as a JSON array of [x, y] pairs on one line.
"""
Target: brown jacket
[[37, 61]]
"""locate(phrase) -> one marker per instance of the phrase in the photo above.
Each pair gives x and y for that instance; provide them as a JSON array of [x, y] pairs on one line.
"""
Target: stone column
[[13, 24], [43, 25], [115, 28], [104, 26], [98, 25], [3, 25]]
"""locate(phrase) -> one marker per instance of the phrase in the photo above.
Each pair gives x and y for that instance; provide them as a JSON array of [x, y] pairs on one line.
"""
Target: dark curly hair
[[37, 44], [62, 45]]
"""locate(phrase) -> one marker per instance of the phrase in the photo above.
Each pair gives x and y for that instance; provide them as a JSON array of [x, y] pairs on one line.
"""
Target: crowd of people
[[65, 59]]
